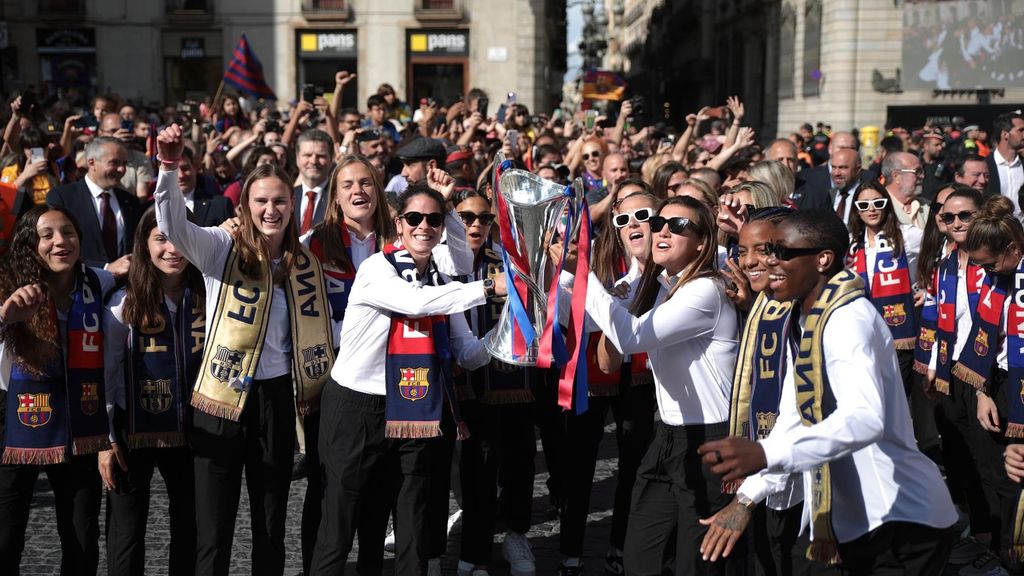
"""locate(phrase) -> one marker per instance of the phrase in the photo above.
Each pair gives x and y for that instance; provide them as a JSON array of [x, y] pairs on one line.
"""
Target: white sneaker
[[455, 522], [434, 567], [985, 565], [389, 542], [516, 550]]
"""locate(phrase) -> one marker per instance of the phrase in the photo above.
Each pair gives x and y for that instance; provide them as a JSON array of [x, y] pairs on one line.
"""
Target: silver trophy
[[535, 209]]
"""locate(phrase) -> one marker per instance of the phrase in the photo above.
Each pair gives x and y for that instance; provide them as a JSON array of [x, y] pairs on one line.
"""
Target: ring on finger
[[718, 457]]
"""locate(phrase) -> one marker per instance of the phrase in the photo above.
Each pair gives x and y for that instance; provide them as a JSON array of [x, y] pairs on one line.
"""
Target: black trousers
[[262, 443], [988, 448], [128, 512], [311, 504], [501, 446], [442, 480], [674, 490], [899, 549], [364, 475], [76, 494], [959, 409], [633, 410], [779, 547]]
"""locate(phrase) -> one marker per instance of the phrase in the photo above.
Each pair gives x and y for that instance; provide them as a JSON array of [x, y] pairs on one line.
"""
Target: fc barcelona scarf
[[929, 321], [162, 367], [757, 384], [1015, 389], [815, 402], [979, 355], [890, 291], [239, 329], [339, 282], [63, 412], [945, 332], [497, 382], [418, 365]]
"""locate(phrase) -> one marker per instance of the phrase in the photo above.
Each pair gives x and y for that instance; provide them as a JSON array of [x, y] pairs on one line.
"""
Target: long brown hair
[[35, 342], [328, 232], [144, 297], [705, 265], [252, 246], [890, 224], [608, 250]]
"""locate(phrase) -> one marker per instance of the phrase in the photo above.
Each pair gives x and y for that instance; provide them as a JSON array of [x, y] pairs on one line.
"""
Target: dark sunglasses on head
[[676, 225], [521, 113], [876, 203], [486, 219], [964, 216], [434, 219], [640, 215], [589, 155], [786, 254]]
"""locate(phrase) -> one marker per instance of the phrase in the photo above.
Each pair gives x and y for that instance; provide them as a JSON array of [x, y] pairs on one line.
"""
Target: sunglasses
[[486, 219], [676, 225], [786, 254], [434, 219], [949, 217], [875, 203], [588, 156], [640, 215]]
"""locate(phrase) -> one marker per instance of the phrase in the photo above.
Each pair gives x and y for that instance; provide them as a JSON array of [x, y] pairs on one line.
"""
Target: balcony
[[438, 10], [326, 10]]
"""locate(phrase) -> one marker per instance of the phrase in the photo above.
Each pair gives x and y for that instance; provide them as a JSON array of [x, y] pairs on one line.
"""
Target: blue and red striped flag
[[246, 73]]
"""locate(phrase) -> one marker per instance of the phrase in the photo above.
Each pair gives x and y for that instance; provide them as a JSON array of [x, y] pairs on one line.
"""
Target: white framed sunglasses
[[876, 203], [621, 220]]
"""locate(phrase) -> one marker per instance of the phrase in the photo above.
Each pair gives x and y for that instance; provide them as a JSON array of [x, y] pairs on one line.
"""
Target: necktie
[[841, 209], [109, 227], [307, 214]]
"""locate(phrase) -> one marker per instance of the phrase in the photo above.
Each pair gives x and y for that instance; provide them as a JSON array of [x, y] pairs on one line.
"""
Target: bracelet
[[343, 148], [979, 393], [168, 163]]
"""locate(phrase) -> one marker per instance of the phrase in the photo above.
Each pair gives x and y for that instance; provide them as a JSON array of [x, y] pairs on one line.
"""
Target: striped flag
[[246, 73]]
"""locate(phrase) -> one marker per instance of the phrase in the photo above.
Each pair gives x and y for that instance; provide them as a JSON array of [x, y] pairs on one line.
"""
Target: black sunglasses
[[640, 215], [486, 219], [964, 216], [588, 156], [786, 254], [434, 219], [676, 225]]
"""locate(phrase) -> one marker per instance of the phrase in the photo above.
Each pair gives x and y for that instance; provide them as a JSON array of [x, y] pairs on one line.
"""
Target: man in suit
[[1005, 171], [974, 172], [207, 209], [106, 213], [314, 152], [813, 185]]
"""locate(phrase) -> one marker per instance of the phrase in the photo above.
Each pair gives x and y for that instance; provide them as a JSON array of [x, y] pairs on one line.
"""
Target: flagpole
[[216, 97]]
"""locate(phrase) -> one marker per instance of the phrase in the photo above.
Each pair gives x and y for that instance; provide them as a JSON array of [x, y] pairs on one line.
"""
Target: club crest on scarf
[[765, 423], [415, 383], [314, 360], [894, 314], [226, 364], [981, 344], [155, 396], [34, 409], [90, 399]]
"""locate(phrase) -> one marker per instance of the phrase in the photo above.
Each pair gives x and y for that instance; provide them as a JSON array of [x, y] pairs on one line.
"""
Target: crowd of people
[[786, 337]]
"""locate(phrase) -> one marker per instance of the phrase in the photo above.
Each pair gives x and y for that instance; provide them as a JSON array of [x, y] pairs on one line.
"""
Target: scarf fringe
[[90, 444], [157, 440], [942, 386], [34, 456], [498, 397], [732, 486], [906, 344], [641, 378], [214, 408], [1014, 430], [826, 551], [307, 407], [969, 376], [406, 429], [920, 367]]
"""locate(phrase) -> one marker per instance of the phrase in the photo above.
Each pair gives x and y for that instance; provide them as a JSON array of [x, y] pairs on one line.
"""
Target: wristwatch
[[489, 291], [343, 148], [745, 502]]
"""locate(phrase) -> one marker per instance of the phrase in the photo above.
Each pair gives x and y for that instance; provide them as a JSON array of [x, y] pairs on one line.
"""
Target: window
[[190, 6], [51, 7], [438, 4], [328, 8], [787, 51], [812, 48]]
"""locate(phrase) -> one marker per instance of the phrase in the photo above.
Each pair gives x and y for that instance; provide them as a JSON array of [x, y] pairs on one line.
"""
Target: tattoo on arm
[[734, 517]]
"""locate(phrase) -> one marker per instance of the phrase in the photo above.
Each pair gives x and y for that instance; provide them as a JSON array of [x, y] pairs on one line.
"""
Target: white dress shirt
[[1011, 177], [849, 202], [208, 249], [878, 474], [96, 192], [378, 291], [691, 341], [318, 191]]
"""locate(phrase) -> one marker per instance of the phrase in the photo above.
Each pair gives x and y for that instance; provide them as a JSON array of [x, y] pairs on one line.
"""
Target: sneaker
[[613, 563], [455, 522], [965, 550], [987, 564], [389, 542], [564, 570], [434, 567], [516, 550], [470, 569]]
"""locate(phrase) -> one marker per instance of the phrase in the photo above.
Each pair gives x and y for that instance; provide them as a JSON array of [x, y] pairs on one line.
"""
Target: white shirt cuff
[[778, 455]]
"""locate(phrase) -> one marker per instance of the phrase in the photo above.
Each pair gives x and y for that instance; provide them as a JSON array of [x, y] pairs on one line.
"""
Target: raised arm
[[378, 284]]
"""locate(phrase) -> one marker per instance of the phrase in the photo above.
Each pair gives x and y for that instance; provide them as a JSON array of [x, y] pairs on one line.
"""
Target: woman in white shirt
[[155, 329], [268, 353], [51, 363], [683, 319], [390, 391]]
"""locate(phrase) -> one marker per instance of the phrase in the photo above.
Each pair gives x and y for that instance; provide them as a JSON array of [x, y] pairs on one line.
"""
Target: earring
[[821, 269]]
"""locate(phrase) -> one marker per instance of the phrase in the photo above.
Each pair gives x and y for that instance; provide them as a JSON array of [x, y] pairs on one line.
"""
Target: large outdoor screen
[[963, 44]]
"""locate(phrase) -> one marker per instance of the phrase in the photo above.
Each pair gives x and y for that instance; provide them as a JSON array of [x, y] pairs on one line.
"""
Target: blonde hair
[[651, 165], [777, 176]]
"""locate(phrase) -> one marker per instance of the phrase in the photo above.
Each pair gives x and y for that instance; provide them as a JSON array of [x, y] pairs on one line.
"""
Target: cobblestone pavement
[[42, 549]]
